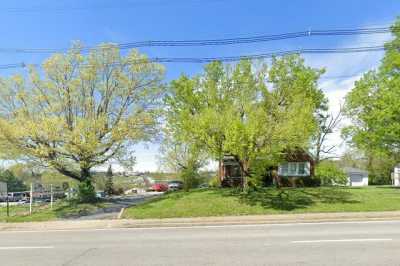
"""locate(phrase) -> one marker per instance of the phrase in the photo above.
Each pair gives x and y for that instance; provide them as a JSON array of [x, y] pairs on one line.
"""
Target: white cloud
[[342, 70], [336, 65]]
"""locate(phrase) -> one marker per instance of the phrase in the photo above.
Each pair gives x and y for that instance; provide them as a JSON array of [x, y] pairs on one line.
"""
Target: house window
[[284, 169], [301, 168], [236, 172], [294, 169]]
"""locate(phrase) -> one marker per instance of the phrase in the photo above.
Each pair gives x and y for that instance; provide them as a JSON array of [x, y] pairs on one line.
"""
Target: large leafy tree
[[81, 110], [14, 184], [374, 105], [230, 110], [195, 111], [183, 158]]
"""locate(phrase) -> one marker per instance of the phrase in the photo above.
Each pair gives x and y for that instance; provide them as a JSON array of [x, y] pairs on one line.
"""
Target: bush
[[379, 180], [118, 191], [330, 174], [109, 186], [14, 184], [65, 186], [308, 182], [86, 192], [190, 178], [214, 182]]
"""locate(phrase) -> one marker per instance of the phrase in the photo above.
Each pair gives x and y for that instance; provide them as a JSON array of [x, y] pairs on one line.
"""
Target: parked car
[[100, 194], [175, 185], [204, 185], [159, 187]]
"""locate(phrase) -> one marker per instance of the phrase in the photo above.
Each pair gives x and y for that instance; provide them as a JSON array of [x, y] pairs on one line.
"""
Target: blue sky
[[55, 24]]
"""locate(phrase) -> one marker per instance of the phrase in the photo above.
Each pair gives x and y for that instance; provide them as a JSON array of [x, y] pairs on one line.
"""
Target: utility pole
[[51, 196], [31, 200]]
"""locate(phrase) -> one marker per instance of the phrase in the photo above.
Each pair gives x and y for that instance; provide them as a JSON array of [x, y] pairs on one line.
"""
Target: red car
[[159, 187]]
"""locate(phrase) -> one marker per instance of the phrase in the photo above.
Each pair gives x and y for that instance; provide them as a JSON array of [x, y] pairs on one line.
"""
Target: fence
[[4, 195], [26, 202]]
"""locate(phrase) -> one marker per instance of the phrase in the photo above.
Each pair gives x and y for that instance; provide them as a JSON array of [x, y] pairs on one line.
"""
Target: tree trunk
[[276, 178], [86, 190], [85, 174], [244, 170], [220, 170], [318, 154]]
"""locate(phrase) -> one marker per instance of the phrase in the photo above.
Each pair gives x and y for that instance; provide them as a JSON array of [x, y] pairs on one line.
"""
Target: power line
[[215, 42], [233, 58]]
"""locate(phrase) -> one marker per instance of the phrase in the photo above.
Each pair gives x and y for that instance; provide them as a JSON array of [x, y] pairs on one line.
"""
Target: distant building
[[356, 177], [396, 176]]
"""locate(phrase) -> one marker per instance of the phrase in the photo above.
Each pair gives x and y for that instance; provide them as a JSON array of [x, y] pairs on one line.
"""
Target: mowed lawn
[[61, 210], [225, 202]]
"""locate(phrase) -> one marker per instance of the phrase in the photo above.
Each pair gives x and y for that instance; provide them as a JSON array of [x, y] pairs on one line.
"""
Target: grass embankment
[[225, 202], [61, 210]]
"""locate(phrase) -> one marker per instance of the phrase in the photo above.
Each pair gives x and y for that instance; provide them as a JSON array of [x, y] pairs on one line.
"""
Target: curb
[[121, 212], [308, 218]]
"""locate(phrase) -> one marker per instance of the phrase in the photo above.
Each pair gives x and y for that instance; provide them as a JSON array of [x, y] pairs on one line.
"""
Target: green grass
[[224, 202], [61, 210]]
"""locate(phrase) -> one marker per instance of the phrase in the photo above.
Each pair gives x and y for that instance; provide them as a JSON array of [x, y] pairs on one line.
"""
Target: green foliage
[[109, 186], [80, 110], [214, 182], [229, 110], [109, 171], [374, 106], [190, 178], [330, 174], [14, 183], [86, 192], [183, 159], [65, 186], [308, 182], [378, 180]]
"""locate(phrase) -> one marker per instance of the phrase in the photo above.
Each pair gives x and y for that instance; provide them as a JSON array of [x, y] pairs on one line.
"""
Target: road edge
[[203, 221]]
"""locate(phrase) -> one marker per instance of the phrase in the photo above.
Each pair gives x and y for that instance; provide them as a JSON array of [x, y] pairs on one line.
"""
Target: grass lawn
[[224, 202], [61, 210]]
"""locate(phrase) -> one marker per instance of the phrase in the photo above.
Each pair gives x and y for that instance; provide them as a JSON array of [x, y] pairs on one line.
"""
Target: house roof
[[294, 155], [349, 170], [297, 155]]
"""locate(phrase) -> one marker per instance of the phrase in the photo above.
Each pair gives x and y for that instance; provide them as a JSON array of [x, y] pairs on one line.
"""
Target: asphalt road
[[351, 243]]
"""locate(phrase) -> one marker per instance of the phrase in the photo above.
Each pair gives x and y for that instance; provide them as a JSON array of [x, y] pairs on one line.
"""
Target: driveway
[[117, 203]]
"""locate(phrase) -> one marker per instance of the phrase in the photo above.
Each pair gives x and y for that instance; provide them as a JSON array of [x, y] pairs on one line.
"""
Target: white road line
[[189, 226], [18, 248], [341, 240]]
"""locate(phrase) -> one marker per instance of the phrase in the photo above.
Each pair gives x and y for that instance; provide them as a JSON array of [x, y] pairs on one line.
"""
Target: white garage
[[356, 177], [396, 176]]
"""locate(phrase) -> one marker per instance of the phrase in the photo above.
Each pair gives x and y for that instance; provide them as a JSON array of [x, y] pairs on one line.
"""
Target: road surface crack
[[77, 257]]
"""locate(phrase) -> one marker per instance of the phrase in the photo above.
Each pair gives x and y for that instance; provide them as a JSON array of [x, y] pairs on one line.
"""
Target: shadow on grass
[[289, 199], [388, 187], [147, 204], [71, 209]]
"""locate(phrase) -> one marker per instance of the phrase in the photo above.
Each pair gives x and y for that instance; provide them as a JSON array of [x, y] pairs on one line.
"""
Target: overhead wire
[[200, 60], [215, 42]]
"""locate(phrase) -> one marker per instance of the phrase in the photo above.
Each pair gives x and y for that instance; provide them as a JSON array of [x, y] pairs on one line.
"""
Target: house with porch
[[297, 165]]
